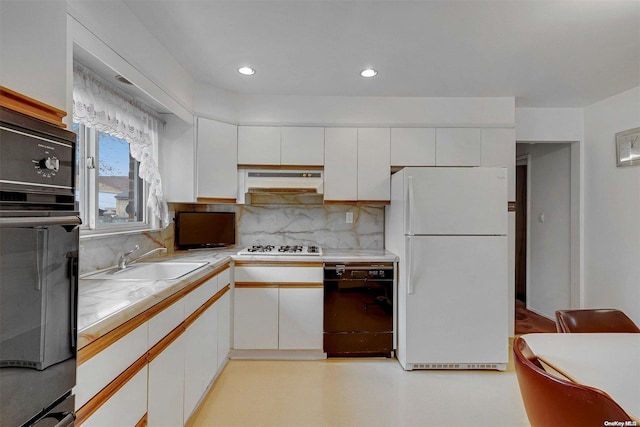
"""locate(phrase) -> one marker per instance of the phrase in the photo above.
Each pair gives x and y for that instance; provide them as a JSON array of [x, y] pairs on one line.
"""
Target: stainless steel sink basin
[[149, 271]]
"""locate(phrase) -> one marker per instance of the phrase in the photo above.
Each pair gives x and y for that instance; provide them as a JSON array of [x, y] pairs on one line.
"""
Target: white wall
[[353, 111], [549, 124], [33, 49], [113, 24], [612, 207], [549, 242]]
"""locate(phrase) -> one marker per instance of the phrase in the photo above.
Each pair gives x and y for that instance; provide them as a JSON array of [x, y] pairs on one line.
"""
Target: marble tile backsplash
[[325, 225]]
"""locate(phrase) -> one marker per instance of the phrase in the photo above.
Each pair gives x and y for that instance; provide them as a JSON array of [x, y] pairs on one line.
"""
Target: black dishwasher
[[358, 309]]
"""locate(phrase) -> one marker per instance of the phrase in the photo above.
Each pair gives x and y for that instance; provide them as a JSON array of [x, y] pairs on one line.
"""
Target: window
[[110, 192]]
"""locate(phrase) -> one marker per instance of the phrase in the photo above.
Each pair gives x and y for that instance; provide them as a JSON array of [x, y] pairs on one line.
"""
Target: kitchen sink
[[149, 271]]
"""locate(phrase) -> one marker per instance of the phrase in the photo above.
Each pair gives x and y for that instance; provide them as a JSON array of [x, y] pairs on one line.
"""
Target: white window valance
[[100, 105]]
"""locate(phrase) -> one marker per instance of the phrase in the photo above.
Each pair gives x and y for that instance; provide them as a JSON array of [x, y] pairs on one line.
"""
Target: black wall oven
[[39, 240], [358, 309]]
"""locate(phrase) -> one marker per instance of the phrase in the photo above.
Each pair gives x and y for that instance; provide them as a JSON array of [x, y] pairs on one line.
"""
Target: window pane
[[119, 188]]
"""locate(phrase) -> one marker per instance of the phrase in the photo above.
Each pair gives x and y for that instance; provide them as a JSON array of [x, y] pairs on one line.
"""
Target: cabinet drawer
[[200, 295], [95, 373], [165, 321], [264, 274], [224, 278], [126, 407]]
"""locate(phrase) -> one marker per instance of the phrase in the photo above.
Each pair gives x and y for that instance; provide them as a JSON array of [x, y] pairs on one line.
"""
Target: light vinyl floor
[[358, 392]]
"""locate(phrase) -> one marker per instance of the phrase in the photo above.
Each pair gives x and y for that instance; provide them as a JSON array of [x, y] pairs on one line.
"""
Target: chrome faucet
[[124, 260]]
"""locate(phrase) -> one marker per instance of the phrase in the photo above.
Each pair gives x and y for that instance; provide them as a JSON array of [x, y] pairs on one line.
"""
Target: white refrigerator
[[449, 228]]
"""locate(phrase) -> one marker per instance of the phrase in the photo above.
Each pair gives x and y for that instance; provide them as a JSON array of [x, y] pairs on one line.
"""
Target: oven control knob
[[50, 163]]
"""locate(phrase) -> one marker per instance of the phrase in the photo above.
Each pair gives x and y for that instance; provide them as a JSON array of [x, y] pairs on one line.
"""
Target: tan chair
[[594, 320], [551, 401]]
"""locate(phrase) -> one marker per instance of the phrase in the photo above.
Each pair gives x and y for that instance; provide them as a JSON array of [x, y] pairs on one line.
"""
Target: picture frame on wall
[[628, 147]]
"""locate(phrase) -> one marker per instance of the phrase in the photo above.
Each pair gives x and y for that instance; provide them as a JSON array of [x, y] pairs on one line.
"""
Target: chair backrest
[[550, 401], [594, 320]]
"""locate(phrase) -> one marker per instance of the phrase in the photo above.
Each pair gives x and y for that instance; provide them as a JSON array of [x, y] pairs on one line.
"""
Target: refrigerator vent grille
[[455, 366]]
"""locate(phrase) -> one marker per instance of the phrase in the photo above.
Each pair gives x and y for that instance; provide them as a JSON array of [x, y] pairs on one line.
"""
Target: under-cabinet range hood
[[281, 182]]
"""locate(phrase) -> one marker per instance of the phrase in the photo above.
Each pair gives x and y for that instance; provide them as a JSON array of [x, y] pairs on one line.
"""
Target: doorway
[[547, 227], [521, 230]]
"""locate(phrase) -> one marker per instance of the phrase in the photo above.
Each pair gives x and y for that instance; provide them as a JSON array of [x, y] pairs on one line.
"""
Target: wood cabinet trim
[[143, 421], [112, 388], [281, 167], [31, 107], [101, 343], [357, 202], [215, 200], [256, 263], [262, 285], [204, 307]]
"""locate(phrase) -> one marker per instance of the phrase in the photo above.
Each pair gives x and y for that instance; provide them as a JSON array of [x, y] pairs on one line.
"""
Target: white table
[[609, 362]]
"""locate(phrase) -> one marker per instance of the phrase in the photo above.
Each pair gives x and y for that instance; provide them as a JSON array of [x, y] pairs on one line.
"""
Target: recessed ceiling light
[[368, 72], [247, 71]]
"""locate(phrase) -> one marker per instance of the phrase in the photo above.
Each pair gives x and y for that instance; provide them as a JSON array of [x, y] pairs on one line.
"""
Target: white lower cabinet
[[255, 318], [224, 328], [185, 345], [300, 318], [278, 308], [200, 357], [166, 386], [126, 407]]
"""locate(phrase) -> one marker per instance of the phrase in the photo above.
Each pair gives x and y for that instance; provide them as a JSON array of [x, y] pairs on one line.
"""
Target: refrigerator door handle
[[409, 266], [410, 207]]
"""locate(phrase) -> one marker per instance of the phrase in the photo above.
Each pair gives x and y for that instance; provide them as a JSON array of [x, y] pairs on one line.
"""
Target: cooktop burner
[[282, 250]]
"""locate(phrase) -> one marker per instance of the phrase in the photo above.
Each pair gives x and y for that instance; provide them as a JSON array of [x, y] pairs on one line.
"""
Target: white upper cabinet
[[499, 149], [258, 145], [177, 160], [374, 167], [302, 146], [341, 164], [217, 160], [413, 147], [458, 147], [286, 146]]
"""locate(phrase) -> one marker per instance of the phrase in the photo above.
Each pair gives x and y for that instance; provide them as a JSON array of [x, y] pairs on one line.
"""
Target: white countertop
[[103, 305]]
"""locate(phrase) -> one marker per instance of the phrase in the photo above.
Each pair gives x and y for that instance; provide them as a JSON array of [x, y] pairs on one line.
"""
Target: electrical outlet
[[349, 217]]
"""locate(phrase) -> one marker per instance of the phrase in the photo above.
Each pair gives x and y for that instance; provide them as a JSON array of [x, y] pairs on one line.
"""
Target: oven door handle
[[73, 297], [40, 221]]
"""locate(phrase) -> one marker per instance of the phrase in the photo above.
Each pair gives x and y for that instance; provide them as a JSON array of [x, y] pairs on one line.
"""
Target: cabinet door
[[166, 386], [201, 357], [255, 318], [341, 164], [258, 145], [95, 373], [217, 157], [301, 311], [302, 146], [178, 161], [499, 149], [374, 164], [413, 147], [224, 328], [458, 147], [126, 407]]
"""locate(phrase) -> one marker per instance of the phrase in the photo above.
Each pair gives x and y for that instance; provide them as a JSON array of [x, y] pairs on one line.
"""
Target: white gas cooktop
[[311, 250]]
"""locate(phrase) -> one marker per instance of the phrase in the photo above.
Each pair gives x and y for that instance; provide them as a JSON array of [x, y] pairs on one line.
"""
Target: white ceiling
[[567, 53]]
